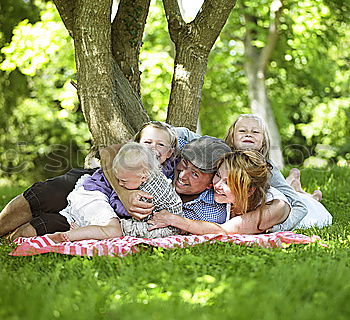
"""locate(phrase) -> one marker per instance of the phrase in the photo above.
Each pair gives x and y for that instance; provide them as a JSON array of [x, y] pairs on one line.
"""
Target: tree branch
[[250, 50], [211, 18], [193, 43], [205, 28], [174, 18]]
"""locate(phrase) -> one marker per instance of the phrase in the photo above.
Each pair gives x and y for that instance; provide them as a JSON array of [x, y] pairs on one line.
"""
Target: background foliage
[[42, 130]]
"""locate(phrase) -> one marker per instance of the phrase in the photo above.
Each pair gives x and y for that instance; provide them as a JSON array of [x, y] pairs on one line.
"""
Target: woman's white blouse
[[271, 194], [317, 215]]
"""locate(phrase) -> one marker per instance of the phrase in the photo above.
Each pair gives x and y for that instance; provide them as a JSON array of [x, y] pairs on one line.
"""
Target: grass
[[220, 281]]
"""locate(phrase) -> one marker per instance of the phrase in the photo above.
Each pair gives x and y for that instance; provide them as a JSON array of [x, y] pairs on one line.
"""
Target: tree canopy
[[306, 78]]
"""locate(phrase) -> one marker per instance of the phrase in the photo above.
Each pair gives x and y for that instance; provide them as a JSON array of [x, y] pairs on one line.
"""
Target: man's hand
[[136, 207], [159, 219]]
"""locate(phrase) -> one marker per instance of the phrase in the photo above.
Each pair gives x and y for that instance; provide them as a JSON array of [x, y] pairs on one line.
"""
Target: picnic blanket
[[124, 246]]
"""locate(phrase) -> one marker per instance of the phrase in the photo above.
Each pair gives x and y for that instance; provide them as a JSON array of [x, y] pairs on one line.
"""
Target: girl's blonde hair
[[164, 126], [230, 137], [133, 156], [248, 173]]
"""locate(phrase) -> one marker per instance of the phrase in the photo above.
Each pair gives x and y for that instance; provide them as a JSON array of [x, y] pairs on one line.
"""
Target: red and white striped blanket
[[123, 246]]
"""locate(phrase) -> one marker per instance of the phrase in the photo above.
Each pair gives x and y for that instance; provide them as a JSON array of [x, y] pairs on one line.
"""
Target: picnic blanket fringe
[[123, 246]]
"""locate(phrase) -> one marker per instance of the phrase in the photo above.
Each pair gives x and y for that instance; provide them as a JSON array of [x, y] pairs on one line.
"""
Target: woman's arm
[[248, 223], [299, 209], [164, 218], [110, 230], [260, 219]]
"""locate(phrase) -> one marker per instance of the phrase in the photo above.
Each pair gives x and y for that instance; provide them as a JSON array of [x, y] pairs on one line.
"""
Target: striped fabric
[[123, 246]]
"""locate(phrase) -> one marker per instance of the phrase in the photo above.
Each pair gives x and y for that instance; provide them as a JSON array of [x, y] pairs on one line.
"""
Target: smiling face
[[130, 179], [159, 141], [248, 134], [190, 180], [222, 192]]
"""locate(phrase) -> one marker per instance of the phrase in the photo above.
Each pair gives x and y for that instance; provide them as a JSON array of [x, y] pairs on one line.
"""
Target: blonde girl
[[249, 132], [236, 131]]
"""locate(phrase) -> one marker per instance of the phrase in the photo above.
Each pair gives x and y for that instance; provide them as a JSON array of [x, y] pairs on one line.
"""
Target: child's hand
[[159, 219]]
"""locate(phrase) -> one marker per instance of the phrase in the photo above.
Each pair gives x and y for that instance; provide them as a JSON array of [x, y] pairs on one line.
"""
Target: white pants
[[317, 215]]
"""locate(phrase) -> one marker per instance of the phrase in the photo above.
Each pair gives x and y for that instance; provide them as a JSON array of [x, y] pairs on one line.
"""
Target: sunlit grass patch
[[209, 281]]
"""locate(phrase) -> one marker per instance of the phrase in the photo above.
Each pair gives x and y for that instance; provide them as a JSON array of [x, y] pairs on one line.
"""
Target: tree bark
[[66, 10], [112, 109], [127, 32], [193, 43], [255, 67], [96, 72]]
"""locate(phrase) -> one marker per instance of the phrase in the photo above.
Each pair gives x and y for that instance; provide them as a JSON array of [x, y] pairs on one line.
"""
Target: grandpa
[[37, 210]]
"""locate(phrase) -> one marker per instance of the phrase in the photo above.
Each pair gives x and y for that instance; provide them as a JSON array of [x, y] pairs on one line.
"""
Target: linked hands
[[160, 219]]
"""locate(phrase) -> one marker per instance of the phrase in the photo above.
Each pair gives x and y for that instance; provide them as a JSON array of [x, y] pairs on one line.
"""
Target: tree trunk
[[112, 109], [95, 66], [255, 66], [186, 88], [193, 43], [260, 105], [127, 32]]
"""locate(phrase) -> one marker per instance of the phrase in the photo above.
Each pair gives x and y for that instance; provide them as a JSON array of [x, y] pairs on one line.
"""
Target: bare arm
[[129, 198], [299, 209], [251, 222], [248, 223], [110, 230]]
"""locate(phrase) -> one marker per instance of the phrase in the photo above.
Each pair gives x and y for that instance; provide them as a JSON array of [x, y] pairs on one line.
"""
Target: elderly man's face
[[190, 180]]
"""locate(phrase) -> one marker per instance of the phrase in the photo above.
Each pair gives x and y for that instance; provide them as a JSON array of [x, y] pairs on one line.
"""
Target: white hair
[[136, 157]]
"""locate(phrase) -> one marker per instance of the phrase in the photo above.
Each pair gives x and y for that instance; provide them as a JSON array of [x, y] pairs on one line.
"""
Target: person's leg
[[16, 213], [317, 195], [25, 230], [294, 180], [41, 224], [48, 196], [49, 223], [51, 195]]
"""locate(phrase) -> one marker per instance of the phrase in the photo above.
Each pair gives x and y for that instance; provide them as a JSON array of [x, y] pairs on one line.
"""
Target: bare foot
[[58, 237], [294, 180], [25, 230], [317, 195]]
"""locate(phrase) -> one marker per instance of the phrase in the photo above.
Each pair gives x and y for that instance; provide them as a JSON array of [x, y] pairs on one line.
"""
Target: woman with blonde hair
[[241, 181]]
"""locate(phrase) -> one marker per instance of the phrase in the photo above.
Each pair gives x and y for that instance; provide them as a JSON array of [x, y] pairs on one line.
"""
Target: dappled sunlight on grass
[[208, 281]]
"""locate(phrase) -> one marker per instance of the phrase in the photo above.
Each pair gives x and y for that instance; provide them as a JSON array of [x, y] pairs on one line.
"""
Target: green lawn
[[220, 281]]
